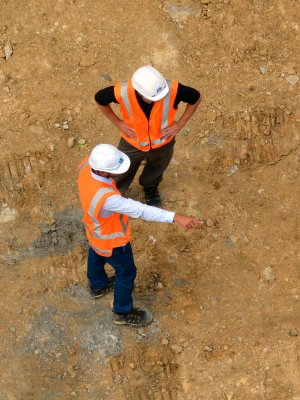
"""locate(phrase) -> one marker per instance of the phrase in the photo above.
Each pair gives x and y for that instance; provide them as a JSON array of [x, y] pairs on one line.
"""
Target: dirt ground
[[225, 296]]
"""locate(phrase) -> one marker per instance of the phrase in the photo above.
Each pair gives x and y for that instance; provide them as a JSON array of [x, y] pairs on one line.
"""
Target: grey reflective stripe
[[97, 229], [160, 141], [166, 108], [101, 251], [124, 95], [83, 165], [124, 226], [143, 144]]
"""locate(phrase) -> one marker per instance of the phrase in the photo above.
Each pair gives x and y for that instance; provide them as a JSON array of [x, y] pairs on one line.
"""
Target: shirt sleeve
[[106, 96], [135, 209], [186, 94]]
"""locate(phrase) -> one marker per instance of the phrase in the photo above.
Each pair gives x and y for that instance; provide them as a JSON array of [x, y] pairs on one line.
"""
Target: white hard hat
[[107, 158], [150, 83]]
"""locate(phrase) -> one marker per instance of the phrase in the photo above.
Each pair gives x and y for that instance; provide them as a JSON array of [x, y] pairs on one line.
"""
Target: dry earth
[[225, 296]]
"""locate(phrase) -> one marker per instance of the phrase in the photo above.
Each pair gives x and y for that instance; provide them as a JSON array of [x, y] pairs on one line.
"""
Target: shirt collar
[[101, 178]]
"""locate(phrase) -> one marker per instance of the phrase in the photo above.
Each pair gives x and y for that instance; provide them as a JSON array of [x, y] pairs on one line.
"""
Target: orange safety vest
[[104, 234], [148, 131]]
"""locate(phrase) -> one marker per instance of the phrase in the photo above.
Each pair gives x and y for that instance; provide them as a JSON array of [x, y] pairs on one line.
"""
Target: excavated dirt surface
[[225, 296]]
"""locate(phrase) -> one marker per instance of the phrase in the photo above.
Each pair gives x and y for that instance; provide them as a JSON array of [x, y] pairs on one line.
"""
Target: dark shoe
[[97, 293], [152, 196], [135, 317]]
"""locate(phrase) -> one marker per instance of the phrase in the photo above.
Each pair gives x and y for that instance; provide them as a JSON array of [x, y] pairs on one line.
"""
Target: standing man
[[148, 105], [107, 228]]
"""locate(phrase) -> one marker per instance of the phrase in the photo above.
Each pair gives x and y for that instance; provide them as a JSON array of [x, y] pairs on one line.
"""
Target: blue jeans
[[123, 263]]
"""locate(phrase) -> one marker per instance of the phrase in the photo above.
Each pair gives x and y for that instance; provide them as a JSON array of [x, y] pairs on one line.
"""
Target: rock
[[107, 77], [71, 142], [207, 348], [263, 70], [267, 276], [118, 379], [131, 365], [159, 285], [74, 394], [210, 223], [52, 147], [176, 348], [293, 332], [174, 162], [71, 352], [8, 50], [56, 126], [66, 127], [28, 327], [246, 240], [292, 79], [81, 141], [165, 342], [12, 329]]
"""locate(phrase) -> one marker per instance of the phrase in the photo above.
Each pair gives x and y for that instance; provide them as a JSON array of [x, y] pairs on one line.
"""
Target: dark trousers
[[122, 262], [157, 162]]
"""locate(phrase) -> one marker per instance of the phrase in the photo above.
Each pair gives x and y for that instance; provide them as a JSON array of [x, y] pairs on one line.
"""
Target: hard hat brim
[[120, 169], [159, 96]]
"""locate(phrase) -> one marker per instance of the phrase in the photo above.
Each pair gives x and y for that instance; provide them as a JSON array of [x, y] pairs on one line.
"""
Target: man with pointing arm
[[106, 215]]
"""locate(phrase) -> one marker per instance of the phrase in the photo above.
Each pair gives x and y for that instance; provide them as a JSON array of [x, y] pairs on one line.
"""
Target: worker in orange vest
[[148, 105], [106, 221]]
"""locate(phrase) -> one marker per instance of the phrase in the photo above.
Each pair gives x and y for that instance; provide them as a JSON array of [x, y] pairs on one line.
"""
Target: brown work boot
[[135, 317]]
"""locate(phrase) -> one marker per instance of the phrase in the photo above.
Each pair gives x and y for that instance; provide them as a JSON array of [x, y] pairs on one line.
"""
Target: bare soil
[[225, 296]]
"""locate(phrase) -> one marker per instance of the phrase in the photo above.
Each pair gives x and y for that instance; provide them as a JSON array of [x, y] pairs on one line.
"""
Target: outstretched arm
[[186, 222]]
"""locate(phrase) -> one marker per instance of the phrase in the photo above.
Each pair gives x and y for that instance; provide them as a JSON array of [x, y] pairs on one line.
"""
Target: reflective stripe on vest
[[166, 108], [165, 113], [124, 96], [108, 252], [83, 165], [97, 229]]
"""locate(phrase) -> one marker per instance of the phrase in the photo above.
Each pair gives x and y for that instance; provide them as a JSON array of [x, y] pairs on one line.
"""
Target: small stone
[[118, 379], [71, 142], [56, 126], [74, 394], [66, 127], [159, 285], [263, 70], [174, 162], [176, 348], [52, 147], [165, 342], [8, 50], [293, 332], [292, 79], [106, 77], [210, 223], [267, 276], [131, 365], [12, 329], [246, 240], [71, 352], [81, 141], [28, 327], [207, 348]]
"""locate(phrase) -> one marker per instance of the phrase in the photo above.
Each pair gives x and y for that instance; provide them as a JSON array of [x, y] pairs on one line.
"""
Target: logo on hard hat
[[159, 89], [121, 160]]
